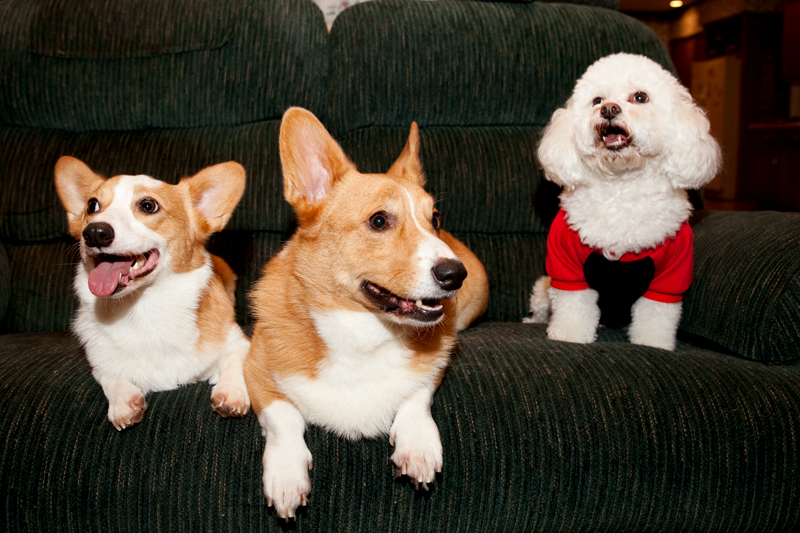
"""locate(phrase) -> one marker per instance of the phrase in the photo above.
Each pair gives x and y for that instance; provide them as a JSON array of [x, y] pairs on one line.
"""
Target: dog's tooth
[[419, 303]]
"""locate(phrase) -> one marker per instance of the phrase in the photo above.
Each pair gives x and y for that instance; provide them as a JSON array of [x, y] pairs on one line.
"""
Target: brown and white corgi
[[358, 314], [156, 310]]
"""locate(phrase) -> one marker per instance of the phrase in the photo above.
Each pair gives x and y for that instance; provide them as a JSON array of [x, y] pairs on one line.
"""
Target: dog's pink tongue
[[104, 278]]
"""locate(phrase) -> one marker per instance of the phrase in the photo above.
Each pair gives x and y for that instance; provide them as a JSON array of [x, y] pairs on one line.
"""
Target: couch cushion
[[30, 209], [129, 28], [5, 283], [127, 64], [537, 435], [450, 63], [746, 291], [466, 170], [41, 296]]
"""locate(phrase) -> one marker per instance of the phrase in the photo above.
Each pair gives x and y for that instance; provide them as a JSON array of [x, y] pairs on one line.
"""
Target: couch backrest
[[209, 82]]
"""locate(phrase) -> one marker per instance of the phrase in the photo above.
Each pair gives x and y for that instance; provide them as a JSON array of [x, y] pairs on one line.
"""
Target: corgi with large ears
[[358, 314], [156, 310]]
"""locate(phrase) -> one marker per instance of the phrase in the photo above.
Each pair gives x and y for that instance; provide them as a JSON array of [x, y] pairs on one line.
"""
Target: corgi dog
[[155, 309], [357, 315]]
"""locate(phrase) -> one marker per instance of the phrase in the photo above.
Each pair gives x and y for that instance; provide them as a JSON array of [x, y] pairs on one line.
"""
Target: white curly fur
[[632, 198]]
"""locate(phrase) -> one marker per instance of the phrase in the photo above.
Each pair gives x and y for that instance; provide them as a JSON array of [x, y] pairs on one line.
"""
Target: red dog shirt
[[673, 259]]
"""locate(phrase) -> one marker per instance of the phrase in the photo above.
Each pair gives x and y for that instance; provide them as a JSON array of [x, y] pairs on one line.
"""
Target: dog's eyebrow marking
[[439, 247], [413, 212]]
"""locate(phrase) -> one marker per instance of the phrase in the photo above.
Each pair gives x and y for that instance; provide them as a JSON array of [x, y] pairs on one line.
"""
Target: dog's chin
[[421, 312], [115, 276], [615, 149]]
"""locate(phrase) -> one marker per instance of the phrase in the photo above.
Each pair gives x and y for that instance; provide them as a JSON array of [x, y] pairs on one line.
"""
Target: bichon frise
[[628, 144]]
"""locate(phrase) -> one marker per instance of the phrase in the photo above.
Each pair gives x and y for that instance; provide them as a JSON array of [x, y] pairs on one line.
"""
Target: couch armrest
[[746, 291], [5, 284]]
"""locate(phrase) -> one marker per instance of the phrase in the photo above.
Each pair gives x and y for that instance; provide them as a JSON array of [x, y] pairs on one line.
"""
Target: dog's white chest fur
[[148, 337], [362, 382], [625, 216]]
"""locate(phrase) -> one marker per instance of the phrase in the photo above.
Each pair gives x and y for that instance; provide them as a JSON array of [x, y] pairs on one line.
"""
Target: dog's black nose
[[449, 274], [609, 111], [98, 235]]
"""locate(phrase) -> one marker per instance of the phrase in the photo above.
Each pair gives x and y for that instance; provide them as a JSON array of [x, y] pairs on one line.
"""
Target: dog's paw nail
[[269, 502]]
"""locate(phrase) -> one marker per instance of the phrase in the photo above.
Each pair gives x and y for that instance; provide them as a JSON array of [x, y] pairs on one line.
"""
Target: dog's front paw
[[418, 450], [230, 401], [286, 481], [125, 411]]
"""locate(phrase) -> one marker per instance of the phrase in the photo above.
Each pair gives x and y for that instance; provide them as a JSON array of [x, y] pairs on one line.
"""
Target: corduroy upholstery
[[538, 435]]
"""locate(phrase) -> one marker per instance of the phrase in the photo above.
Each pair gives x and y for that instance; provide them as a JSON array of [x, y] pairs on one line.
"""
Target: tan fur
[[215, 314]]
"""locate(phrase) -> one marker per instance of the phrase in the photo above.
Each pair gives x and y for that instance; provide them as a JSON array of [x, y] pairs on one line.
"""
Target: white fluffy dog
[[625, 149]]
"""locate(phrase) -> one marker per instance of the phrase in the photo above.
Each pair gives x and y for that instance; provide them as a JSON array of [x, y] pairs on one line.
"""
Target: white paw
[[229, 396], [230, 400], [286, 458], [126, 410], [286, 481], [418, 449], [575, 316]]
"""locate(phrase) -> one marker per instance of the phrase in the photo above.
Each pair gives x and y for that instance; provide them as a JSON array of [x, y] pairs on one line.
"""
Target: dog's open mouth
[[424, 310], [614, 137], [112, 273]]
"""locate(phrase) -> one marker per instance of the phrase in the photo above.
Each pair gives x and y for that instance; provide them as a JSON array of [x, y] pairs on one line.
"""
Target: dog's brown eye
[[640, 98], [597, 101], [379, 221], [148, 205], [436, 221], [93, 206]]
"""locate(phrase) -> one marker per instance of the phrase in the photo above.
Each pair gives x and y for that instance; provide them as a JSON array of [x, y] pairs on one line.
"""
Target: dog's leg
[[539, 302], [418, 447], [126, 403], [654, 323], [229, 396], [575, 315], [286, 458]]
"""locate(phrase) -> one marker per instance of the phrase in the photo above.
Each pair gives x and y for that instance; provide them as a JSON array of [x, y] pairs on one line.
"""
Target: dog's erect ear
[[693, 157], [75, 184], [557, 151], [312, 160], [408, 164], [215, 191]]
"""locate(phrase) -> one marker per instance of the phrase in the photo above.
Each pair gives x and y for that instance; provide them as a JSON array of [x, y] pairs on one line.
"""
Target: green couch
[[538, 435]]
